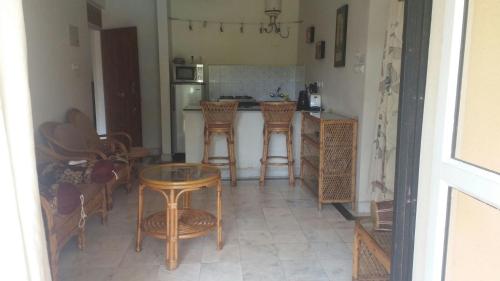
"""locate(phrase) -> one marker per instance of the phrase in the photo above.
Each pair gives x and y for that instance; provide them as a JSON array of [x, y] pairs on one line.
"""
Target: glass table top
[[178, 173]]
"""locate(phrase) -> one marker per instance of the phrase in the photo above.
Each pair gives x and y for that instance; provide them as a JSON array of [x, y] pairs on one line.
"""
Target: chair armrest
[[124, 135], [51, 154], [114, 144], [79, 153]]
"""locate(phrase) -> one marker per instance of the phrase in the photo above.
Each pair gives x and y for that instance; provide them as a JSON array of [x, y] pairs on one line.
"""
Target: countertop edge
[[251, 109]]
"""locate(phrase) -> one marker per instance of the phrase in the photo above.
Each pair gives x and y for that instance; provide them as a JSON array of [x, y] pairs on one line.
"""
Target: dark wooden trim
[[416, 35], [344, 212]]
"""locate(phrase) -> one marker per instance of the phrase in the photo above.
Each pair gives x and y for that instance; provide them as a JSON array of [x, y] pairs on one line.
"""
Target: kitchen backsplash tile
[[255, 81]]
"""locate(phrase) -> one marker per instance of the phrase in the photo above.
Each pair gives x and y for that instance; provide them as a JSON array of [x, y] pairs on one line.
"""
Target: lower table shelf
[[191, 223]]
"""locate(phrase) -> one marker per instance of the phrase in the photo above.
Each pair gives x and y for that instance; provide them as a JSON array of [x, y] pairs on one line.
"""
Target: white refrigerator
[[183, 95]]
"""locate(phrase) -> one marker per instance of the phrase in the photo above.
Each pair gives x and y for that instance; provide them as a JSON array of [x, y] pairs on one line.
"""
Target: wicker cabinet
[[328, 156]]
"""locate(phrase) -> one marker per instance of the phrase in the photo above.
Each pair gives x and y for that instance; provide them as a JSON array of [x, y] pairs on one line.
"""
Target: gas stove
[[244, 101]]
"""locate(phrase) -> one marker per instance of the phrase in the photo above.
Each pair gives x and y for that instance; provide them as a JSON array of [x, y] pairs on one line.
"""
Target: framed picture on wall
[[340, 36], [310, 35], [320, 50]]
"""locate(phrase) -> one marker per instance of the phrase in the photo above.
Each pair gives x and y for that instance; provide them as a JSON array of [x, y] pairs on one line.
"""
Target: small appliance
[[315, 102], [303, 101], [188, 73]]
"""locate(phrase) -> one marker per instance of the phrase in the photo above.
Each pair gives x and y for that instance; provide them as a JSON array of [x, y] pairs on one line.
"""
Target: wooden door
[[120, 65]]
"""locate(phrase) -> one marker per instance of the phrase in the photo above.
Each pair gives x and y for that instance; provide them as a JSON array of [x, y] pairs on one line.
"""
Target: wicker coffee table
[[176, 181]]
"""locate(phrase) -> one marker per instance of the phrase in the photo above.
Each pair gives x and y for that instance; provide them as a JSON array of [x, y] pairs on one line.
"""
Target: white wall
[[232, 47], [55, 87], [142, 14], [347, 90]]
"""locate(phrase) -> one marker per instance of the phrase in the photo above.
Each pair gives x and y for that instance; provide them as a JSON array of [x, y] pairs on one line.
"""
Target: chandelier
[[273, 10]]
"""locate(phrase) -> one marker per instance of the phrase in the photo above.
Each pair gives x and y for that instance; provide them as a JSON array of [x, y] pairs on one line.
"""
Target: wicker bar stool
[[278, 118], [219, 119]]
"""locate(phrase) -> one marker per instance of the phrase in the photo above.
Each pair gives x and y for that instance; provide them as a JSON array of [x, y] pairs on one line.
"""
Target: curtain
[[24, 252], [383, 161]]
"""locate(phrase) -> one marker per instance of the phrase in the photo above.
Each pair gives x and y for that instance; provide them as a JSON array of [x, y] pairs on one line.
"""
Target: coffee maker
[[303, 102]]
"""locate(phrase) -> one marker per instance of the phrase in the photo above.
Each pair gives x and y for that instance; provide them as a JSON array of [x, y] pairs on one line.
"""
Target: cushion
[[68, 198], [103, 171], [382, 213], [70, 136], [56, 172]]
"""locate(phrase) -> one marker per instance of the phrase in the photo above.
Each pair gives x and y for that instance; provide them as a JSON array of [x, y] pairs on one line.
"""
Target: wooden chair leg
[[104, 208], [289, 146], [355, 256], [263, 161], [206, 146], [54, 266], [109, 197], [128, 185], [232, 158]]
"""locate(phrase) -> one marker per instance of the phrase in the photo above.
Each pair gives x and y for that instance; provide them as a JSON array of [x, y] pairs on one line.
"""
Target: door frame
[[416, 34]]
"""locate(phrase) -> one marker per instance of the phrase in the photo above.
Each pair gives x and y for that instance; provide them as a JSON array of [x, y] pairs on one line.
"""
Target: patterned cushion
[[55, 172], [382, 213]]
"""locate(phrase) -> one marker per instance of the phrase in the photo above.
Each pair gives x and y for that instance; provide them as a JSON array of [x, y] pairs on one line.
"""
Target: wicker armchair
[[121, 140], [371, 253], [60, 228], [69, 141]]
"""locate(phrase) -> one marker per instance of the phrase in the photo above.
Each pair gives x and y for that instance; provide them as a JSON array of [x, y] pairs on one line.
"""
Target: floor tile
[[327, 250], [304, 271], [80, 273], [248, 224], [263, 271], [322, 235], [136, 272], [282, 224], [258, 237], [288, 236], [184, 272], [228, 253], [221, 272], [256, 253], [338, 269], [295, 251]]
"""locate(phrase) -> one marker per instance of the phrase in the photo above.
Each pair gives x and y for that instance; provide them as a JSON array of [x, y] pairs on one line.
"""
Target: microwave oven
[[188, 73]]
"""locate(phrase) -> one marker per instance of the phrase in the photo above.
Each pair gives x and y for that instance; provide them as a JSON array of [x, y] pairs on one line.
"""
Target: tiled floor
[[270, 234]]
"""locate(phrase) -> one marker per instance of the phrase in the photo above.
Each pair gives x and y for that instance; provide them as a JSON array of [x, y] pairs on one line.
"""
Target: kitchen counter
[[248, 142], [250, 108]]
